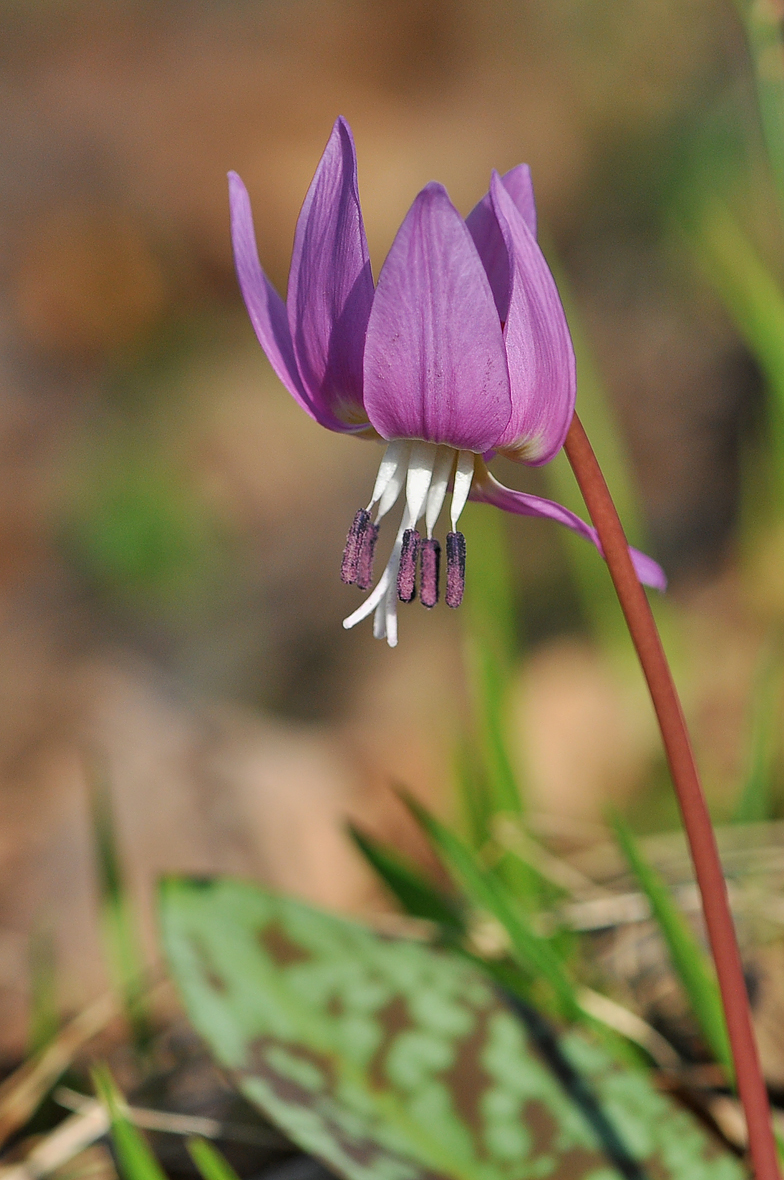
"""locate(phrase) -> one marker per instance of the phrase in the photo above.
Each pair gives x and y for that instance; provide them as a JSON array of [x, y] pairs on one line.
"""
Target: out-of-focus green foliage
[[140, 533]]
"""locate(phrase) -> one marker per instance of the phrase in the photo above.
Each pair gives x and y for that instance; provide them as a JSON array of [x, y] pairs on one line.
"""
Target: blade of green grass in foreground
[[134, 1157], [762, 21], [751, 295], [484, 889], [210, 1163], [44, 1019], [756, 804], [416, 895], [122, 949], [491, 644], [599, 604], [690, 961], [488, 782]]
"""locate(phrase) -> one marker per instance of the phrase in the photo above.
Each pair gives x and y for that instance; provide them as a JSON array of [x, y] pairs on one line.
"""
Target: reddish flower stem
[[685, 777]]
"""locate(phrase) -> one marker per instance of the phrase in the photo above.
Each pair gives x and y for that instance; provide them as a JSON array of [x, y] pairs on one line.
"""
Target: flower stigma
[[426, 470]]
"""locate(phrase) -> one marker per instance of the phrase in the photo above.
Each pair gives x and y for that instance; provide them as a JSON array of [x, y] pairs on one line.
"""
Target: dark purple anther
[[350, 565], [455, 568], [429, 571], [367, 550], [406, 574]]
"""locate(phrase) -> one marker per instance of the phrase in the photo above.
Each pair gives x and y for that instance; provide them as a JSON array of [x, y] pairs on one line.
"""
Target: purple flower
[[461, 352]]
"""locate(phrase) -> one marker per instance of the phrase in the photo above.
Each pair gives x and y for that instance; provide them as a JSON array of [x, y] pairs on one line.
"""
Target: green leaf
[[134, 1157], [394, 1060], [690, 961], [416, 895], [210, 1163]]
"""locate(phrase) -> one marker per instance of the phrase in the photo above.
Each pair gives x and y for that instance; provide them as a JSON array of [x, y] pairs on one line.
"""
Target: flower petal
[[487, 490], [330, 282], [542, 370], [488, 239], [266, 308], [435, 365]]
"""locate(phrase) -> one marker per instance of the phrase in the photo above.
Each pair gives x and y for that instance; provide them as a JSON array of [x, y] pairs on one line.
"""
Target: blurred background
[[171, 524]]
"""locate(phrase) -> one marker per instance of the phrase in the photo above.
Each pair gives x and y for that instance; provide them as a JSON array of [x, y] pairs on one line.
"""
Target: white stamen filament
[[464, 473], [442, 470], [394, 461], [391, 491], [420, 473], [426, 469]]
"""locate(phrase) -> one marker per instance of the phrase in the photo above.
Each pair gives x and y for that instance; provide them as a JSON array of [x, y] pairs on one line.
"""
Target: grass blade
[[756, 803], [766, 44], [753, 298], [532, 952], [416, 895], [210, 1163], [690, 961], [491, 645], [125, 961], [135, 1159], [44, 1019]]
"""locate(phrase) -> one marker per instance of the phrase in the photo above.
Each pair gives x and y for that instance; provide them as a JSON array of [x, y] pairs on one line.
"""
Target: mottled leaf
[[391, 1060]]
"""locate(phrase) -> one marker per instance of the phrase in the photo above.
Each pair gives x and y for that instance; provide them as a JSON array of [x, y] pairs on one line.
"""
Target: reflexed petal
[[435, 365], [488, 490], [488, 239], [538, 345], [330, 282], [266, 308]]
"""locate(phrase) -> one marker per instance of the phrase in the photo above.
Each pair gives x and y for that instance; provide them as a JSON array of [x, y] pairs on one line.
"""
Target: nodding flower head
[[459, 353]]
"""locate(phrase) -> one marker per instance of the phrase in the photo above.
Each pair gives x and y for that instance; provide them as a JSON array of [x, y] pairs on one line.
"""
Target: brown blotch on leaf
[[570, 1164], [285, 1087], [543, 1126], [335, 1007], [468, 1080], [215, 981], [577, 1162], [284, 951], [394, 1018], [364, 1150]]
